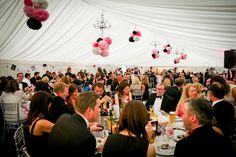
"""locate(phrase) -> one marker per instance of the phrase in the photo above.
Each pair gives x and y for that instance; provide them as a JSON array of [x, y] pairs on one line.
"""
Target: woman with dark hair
[[39, 128], [123, 94], [132, 139], [73, 93]]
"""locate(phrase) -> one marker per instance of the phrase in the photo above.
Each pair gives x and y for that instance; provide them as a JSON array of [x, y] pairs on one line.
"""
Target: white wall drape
[[204, 29]]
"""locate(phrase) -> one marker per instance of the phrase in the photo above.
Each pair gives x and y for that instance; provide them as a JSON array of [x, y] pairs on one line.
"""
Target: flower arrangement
[[135, 36], [101, 46], [35, 10], [167, 48], [155, 54]]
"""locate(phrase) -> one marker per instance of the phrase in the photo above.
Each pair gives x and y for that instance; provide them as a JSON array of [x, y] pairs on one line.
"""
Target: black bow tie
[[159, 97]]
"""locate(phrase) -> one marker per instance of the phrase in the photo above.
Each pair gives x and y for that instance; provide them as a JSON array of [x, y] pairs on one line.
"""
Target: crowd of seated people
[[172, 91]]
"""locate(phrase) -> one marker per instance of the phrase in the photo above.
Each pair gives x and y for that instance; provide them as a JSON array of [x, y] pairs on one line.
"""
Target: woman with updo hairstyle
[[132, 139]]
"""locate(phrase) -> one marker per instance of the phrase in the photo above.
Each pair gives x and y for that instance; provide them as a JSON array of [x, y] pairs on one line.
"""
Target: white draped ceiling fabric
[[202, 28]]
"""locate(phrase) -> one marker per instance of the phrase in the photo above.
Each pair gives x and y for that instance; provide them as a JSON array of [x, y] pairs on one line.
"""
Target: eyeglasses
[[160, 89]]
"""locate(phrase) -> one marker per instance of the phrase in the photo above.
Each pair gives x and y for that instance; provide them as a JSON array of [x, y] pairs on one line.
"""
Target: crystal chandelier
[[102, 24]]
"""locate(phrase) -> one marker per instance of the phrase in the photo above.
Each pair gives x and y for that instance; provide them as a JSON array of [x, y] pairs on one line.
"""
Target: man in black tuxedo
[[175, 91], [59, 106], [22, 85], [203, 140], [70, 135], [223, 110], [160, 101]]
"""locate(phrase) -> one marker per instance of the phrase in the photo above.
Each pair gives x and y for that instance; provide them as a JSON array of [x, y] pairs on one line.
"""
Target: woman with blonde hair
[[189, 92], [135, 87]]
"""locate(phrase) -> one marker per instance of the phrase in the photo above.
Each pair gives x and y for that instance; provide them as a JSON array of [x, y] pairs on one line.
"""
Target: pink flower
[[169, 131]]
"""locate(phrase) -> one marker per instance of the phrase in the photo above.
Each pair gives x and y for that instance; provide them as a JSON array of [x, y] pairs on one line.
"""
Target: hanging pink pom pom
[[108, 40], [176, 60], [40, 4], [28, 10], [168, 51], [154, 54], [183, 56], [103, 45], [138, 33], [95, 44], [28, 2], [40, 15], [96, 50], [104, 53]]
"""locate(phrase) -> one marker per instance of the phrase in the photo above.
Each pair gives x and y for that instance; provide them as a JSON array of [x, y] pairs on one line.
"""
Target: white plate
[[179, 125], [179, 134], [178, 119], [165, 151], [99, 141]]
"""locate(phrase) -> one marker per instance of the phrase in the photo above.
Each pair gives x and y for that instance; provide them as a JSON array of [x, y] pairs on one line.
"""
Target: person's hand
[[149, 129], [95, 127]]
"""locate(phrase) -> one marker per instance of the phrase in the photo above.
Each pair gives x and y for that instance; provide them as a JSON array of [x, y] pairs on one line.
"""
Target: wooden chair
[[19, 139]]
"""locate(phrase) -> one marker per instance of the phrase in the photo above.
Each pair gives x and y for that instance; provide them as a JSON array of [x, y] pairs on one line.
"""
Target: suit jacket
[[203, 141], [224, 115], [166, 104], [57, 108], [175, 93], [71, 137]]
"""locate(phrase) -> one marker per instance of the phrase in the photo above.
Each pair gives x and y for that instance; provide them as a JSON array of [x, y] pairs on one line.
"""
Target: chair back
[[138, 95], [11, 118], [11, 113], [113, 94], [19, 138], [25, 152]]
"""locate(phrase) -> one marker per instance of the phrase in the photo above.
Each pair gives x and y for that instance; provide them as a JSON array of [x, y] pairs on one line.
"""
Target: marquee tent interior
[[202, 29]]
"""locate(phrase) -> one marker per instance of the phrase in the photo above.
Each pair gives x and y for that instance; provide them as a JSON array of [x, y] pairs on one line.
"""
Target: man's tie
[[159, 97]]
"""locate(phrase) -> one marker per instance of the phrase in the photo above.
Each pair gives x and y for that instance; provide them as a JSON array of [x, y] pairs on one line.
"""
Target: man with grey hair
[[70, 134], [203, 140]]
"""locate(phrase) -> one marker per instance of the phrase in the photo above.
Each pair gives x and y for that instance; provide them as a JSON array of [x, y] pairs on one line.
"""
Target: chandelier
[[102, 24]]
